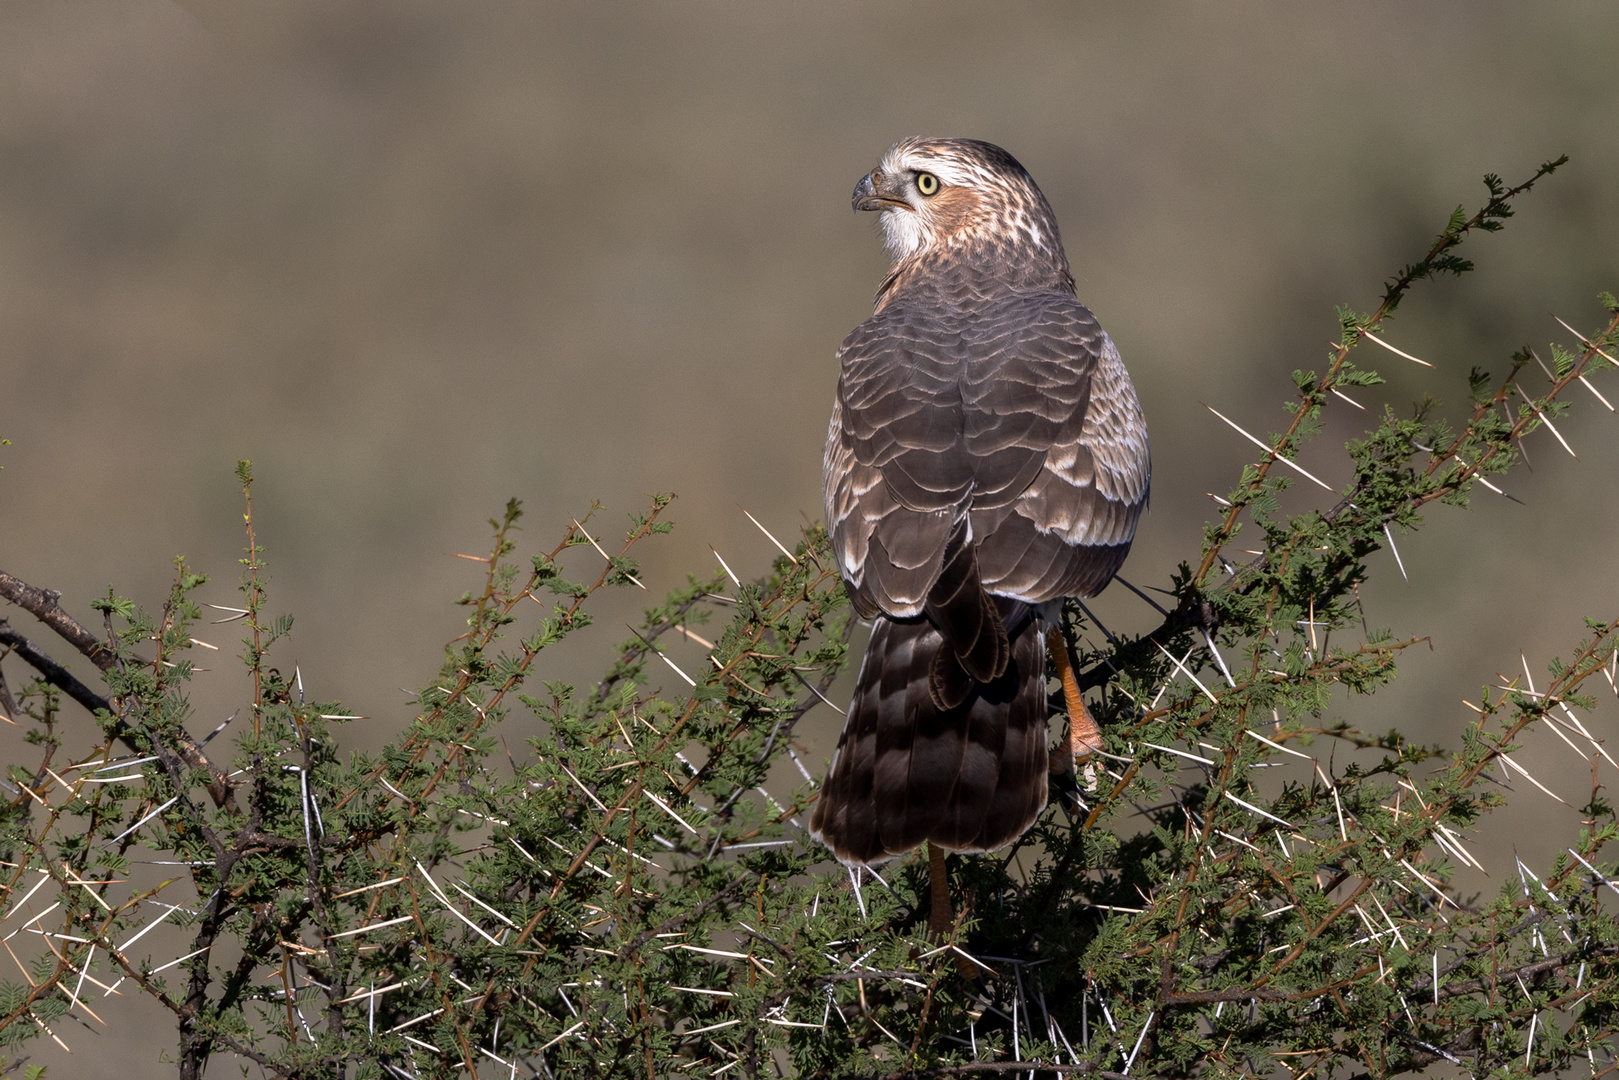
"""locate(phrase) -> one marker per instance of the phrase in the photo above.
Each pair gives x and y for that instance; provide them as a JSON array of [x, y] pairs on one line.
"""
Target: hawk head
[[963, 201]]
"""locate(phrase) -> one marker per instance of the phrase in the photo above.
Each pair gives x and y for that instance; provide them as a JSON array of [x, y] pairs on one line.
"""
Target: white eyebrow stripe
[[903, 158]]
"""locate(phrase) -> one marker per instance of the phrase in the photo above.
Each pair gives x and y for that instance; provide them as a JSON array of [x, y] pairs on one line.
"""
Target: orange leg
[[1084, 736]]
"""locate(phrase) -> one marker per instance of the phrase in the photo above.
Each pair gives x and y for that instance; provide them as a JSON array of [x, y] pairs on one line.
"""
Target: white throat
[[902, 232]]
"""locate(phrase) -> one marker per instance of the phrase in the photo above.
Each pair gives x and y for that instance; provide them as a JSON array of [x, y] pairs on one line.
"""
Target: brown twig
[[42, 603], [54, 673]]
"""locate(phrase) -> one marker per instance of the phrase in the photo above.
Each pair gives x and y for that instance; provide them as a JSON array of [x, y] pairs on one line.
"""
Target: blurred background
[[415, 259]]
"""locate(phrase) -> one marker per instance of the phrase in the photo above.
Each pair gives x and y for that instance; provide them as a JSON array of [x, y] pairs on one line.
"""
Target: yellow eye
[[927, 183]]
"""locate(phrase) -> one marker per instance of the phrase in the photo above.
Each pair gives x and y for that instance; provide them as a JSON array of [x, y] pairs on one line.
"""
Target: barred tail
[[971, 777]]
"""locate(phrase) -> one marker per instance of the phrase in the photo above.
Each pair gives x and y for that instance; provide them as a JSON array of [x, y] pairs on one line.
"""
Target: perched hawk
[[987, 457]]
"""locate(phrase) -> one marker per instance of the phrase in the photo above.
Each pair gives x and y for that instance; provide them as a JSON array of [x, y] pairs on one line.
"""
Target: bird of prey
[[987, 457]]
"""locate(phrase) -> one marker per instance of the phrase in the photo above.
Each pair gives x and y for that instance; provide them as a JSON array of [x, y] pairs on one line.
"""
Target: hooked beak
[[875, 194]]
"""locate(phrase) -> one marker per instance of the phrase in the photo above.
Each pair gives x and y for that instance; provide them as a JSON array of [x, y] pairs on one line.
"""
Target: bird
[[987, 457]]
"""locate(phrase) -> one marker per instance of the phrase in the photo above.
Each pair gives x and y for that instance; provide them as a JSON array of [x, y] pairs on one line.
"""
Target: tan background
[[414, 259]]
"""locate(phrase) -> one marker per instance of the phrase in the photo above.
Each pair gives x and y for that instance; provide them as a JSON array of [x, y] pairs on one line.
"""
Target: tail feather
[[845, 817], [970, 777], [969, 621]]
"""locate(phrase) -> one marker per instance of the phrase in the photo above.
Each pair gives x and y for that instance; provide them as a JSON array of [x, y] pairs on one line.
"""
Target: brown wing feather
[[1025, 419], [896, 481], [1067, 531]]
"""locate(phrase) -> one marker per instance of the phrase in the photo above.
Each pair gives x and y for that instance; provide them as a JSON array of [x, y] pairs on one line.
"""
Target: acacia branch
[[54, 673], [42, 604]]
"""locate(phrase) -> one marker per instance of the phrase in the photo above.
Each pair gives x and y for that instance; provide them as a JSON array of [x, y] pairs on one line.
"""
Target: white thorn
[[599, 550], [1188, 672], [1367, 335], [1254, 809], [772, 539], [665, 659], [1273, 454], [1397, 560], [726, 566], [1546, 420]]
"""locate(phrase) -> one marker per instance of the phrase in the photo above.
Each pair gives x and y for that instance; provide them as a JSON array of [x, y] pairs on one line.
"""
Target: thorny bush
[[635, 895]]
